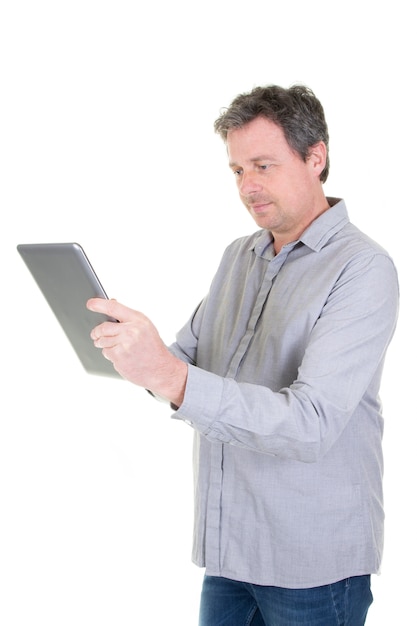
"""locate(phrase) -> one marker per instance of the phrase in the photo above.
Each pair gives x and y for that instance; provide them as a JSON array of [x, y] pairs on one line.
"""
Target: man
[[278, 371]]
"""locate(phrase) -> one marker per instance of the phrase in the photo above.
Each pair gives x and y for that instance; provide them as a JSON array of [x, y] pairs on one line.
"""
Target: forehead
[[260, 137]]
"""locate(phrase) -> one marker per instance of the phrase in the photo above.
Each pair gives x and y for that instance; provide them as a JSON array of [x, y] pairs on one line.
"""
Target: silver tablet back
[[67, 280]]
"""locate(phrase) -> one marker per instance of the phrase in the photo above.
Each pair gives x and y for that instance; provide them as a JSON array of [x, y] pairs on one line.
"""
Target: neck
[[281, 239]]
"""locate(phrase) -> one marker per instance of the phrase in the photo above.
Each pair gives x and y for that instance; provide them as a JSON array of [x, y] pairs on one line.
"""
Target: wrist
[[172, 381]]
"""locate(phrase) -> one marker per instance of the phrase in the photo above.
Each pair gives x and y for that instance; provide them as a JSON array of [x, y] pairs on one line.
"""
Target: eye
[[237, 172], [264, 166]]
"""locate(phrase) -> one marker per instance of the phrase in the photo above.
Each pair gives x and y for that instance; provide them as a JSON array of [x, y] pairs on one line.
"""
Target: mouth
[[258, 207]]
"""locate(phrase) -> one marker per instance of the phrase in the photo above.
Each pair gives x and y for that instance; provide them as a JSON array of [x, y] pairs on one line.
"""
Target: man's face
[[281, 191]]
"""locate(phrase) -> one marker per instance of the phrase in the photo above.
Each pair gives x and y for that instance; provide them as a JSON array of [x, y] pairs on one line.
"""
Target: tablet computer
[[67, 279]]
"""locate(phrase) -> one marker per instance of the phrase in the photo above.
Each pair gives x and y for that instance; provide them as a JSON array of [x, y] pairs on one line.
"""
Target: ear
[[317, 157]]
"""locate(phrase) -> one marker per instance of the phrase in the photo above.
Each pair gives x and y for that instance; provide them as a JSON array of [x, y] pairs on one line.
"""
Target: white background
[[106, 114]]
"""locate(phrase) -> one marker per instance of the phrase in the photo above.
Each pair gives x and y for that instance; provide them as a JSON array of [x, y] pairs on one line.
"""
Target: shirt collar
[[317, 234], [326, 225]]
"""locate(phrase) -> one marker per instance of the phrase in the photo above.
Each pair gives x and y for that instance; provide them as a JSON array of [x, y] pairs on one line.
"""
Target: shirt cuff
[[202, 399]]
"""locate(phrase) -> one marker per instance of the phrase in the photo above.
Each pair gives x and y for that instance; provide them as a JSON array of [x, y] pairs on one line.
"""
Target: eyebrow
[[261, 157]]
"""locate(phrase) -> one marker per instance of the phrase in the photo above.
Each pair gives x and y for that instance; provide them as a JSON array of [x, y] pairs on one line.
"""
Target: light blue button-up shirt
[[285, 358]]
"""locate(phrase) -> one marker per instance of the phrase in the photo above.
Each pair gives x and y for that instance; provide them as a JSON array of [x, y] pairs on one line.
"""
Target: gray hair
[[296, 110]]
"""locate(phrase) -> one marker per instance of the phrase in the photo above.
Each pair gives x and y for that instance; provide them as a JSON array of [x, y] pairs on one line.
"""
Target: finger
[[106, 355], [112, 308], [104, 341], [106, 329]]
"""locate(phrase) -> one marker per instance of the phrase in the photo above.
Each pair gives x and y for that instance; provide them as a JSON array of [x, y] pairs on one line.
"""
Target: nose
[[249, 183]]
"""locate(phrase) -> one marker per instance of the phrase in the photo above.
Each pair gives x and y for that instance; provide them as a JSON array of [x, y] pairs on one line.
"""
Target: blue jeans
[[227, 602]]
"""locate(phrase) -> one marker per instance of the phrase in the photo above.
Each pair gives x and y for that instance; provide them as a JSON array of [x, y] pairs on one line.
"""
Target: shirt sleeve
[[341, 369]]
